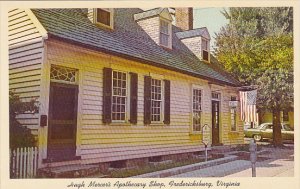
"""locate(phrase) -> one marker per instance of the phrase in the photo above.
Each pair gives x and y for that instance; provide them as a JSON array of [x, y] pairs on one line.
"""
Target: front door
[[215, 122], [62, 121]]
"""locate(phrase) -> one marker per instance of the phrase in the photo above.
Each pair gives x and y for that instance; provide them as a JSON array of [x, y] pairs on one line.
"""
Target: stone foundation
[[80, 171]]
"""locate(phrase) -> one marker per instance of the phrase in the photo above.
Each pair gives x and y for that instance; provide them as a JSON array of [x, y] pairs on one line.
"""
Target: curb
[[261, 152], [187, 168]]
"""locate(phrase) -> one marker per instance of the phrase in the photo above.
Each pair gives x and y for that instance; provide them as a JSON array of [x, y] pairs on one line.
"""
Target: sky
[[211, 18]]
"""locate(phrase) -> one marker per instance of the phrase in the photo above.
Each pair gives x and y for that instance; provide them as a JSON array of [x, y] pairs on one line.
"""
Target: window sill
[[120, 124], [157, 124], [104, 26]]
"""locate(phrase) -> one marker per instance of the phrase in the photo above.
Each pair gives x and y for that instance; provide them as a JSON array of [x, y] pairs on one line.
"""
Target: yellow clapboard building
[[119, 84]]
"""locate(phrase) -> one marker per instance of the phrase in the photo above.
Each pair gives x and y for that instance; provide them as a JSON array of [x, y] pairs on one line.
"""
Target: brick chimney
[[184, 18]]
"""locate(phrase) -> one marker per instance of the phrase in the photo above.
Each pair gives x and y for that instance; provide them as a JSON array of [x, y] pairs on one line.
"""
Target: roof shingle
[[192, 33], [148, 13], [127, 39]]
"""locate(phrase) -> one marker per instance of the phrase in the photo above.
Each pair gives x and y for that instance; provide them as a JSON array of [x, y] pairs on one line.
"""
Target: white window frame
[[207, 48], [111, 19], [201, 110], [127, 103], [162, 101], [169, 33], [63, 81]]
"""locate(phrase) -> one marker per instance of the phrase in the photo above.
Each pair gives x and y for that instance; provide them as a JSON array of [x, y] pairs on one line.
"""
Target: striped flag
[[248, 106]]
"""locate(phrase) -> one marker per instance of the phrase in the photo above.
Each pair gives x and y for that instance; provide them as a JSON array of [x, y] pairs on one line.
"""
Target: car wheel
[[257, 137]]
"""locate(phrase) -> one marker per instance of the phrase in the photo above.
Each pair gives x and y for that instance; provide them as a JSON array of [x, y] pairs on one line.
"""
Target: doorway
[[215, 122], [62, 122]]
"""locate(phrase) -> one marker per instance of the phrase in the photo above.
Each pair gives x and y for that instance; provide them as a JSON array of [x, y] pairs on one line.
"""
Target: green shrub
[[20, 136]]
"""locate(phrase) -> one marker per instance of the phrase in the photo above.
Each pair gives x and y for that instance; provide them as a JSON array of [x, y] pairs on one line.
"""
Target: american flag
[[248, 106]]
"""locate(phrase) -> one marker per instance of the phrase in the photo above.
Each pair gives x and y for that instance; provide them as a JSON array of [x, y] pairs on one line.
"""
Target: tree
[[257, 48], [276, 80], [19, 136]]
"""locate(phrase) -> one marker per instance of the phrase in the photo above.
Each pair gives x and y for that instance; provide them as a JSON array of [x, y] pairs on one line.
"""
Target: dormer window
[[165, 33], [157, 23], [205, 49], [197, 41], [104, 17]]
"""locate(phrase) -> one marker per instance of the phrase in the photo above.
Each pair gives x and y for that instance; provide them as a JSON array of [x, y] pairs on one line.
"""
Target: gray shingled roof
[[127, 39], [192, 33]]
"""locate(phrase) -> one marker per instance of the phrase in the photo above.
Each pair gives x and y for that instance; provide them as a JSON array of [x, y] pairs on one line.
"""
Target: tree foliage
[[257, 48], [20, 136]]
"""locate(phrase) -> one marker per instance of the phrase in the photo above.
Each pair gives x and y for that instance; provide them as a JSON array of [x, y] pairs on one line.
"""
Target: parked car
[[247, 126], [265, 131]]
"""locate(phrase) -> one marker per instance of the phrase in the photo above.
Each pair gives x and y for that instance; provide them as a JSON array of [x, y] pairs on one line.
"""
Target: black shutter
[[167, 102], [133, 97], [147, 100], [107, 94]]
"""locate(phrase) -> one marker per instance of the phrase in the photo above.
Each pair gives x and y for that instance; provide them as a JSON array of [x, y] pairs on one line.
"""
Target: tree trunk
[[277, 138], [260, 117]]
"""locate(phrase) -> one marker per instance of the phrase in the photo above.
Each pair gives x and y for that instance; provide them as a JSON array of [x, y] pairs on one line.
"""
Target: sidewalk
[[277, 163], [280, 164]]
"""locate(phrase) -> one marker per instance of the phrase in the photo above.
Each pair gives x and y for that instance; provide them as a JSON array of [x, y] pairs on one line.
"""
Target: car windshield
[[265, 126]]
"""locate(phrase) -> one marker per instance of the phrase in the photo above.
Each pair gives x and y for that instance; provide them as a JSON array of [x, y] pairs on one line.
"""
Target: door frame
[[65, 85]]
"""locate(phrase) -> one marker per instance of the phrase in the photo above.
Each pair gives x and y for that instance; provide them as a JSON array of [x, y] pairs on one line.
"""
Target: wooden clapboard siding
[[120, 148], [95, 135], [94, 158], [116, 141], [127, 139], [25, 62], [23, 80], [18, 71], [25, 85], [226, 119], [229, 137], [133, 149]]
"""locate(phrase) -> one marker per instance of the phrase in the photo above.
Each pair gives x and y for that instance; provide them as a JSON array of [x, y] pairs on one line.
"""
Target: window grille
[[215, 96], [58, 73], [119, 96], [103, 16], [164, 33], [156, 99], [197, 108]]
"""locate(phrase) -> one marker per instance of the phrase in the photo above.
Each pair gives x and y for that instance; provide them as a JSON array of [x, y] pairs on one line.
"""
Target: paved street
[[274, 163]]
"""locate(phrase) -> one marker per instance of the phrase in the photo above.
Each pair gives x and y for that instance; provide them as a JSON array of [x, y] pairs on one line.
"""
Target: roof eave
[[52, 36]]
